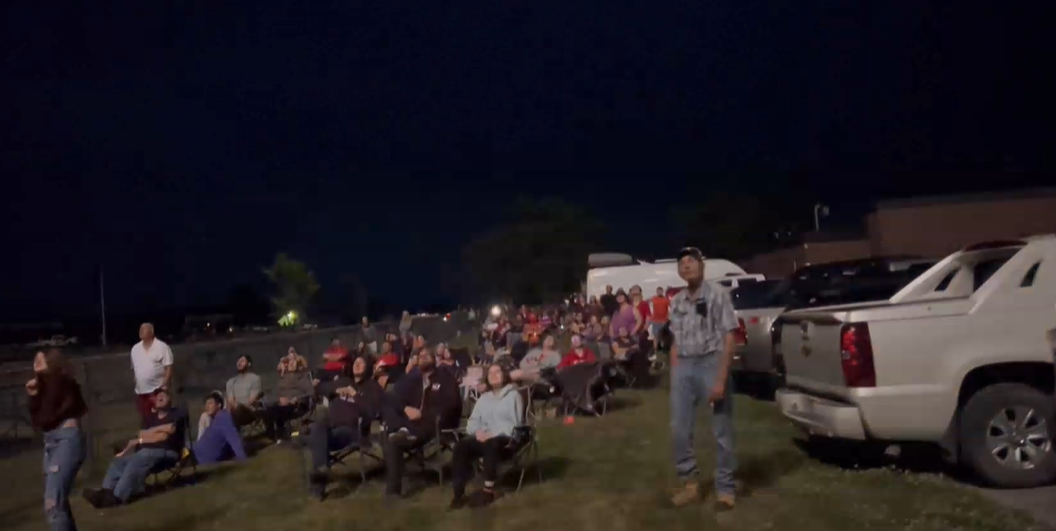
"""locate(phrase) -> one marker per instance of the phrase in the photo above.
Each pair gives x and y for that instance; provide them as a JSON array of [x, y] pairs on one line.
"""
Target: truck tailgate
[[810, 346]]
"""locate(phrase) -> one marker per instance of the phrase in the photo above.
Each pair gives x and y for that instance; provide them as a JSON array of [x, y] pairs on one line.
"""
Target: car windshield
[[753, 294], [865, 285]]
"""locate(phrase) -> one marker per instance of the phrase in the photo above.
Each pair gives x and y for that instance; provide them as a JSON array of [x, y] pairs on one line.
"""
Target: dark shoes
[[458, 502], [100, 498], [317, 482]]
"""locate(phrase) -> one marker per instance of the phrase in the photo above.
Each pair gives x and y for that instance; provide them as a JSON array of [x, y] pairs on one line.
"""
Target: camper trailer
[[623, 271]]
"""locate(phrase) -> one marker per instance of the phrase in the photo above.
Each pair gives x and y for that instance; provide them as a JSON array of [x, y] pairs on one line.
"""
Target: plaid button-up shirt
[[699, 335]]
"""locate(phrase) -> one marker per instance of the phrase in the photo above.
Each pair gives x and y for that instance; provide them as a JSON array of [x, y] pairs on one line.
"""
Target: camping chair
[[462, 357], [365, 451], [526, 442], [166, 474], [430, 456], [599, 388], [604, 351], [470, 394], [524, 445]]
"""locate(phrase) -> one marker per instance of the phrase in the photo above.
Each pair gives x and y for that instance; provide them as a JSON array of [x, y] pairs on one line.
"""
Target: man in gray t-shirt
[[243, 393], [368, 336]]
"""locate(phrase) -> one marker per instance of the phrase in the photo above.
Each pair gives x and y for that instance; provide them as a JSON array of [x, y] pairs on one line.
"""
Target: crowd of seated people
[[414, 390]]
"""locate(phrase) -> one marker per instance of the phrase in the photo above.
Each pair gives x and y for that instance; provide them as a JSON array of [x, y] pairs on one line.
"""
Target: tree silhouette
[[539, 255], [295, 286]]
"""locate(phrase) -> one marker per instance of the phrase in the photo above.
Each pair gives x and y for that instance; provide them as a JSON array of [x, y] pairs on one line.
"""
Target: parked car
[[958, 357], [871, 279], [54, 341]]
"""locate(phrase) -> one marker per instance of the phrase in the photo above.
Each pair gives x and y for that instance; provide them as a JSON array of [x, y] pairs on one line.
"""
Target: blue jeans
[[63, 454], [691, 383], [127, 474]]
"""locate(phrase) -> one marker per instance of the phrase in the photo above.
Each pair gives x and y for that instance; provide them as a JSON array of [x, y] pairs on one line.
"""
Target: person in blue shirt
[[218, 438], [489, 435]]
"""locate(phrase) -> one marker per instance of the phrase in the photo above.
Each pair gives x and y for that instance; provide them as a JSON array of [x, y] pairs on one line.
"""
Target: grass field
[[609, 474]]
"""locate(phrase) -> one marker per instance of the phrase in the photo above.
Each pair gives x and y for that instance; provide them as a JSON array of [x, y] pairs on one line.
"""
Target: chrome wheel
[[1018, 438]]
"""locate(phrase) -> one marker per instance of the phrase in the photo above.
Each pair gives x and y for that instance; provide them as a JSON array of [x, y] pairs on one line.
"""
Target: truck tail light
[[740, 335], [856, 355], [778, 358]]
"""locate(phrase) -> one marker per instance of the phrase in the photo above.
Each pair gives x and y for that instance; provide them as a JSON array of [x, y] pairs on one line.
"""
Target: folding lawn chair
[[365, 451], [525, 441], [604, 351], [430, 456]]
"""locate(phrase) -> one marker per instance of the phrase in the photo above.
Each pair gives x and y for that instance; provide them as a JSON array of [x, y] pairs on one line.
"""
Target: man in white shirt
[[152, 365]]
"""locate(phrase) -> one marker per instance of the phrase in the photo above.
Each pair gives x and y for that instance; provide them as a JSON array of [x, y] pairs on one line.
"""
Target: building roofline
[[935, 200]]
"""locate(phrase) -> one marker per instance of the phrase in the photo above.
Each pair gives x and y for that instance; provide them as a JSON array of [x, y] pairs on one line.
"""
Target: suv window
[[984, 269], [946, 280], [1028, 279], [755, 295]]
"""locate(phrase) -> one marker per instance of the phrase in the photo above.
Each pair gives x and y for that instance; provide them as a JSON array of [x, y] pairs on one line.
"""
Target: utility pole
[[823, 210], [102, 302]]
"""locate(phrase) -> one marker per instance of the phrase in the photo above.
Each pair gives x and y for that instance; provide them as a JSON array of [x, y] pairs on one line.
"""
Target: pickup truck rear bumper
[[820, 416]]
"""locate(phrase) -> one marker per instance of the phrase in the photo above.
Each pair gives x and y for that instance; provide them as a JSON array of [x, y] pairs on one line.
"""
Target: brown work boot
[[725, 502], [689, 492]]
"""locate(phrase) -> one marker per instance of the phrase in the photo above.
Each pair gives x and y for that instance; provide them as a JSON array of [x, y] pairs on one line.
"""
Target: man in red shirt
[[661, 305], [334, 360], [579, 354]]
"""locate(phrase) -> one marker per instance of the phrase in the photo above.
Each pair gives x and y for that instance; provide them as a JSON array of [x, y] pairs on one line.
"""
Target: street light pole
[[102, 303], [819, 210]]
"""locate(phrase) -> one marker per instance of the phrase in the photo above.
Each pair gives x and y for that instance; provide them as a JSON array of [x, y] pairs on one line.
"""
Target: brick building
[[924, 226]]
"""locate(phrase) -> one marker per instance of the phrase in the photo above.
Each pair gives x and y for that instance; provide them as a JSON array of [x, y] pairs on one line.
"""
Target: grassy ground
[[607, 474]]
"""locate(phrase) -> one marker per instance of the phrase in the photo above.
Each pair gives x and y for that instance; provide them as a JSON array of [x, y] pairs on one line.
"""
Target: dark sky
[[181, 144]]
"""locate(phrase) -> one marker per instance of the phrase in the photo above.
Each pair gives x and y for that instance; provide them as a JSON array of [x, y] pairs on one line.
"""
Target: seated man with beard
[[355, 401], [424, 399]]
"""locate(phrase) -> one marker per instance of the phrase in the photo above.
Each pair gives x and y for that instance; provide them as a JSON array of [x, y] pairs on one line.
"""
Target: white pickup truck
[[958, 357]]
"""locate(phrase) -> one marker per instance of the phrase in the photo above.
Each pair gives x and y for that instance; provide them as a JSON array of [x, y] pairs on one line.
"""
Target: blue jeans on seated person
[[63, 454], [127, 474], [692, 379]]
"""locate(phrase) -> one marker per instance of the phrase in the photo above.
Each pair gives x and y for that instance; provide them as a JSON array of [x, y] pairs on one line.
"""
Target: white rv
[[623, 271]]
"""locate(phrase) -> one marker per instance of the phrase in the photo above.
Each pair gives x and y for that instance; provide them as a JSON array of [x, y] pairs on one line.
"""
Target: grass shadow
[[12, 447], [621, 402], [761, 472], [851, 455], [754, 386]]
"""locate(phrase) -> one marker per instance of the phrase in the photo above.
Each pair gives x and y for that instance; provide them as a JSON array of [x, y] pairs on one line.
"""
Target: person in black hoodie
[[355, 401], [425, 400]]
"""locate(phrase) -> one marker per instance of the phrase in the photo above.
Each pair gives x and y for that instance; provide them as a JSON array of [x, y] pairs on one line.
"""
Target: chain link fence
[[108, 387]]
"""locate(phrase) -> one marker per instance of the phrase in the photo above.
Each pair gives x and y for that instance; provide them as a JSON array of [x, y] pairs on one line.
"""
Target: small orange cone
[[569, 420]]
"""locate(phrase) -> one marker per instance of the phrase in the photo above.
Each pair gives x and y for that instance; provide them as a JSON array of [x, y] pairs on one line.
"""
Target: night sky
[[180, 145]]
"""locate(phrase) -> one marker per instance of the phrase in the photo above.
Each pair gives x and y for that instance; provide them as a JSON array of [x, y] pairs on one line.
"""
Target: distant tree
[[246, 303], [734, 225], [295, 286], [539, 255]]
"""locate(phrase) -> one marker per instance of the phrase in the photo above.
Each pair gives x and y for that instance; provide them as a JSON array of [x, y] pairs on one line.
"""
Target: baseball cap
[[691, 251]]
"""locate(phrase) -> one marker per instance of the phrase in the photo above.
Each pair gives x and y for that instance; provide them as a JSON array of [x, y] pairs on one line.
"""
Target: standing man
[[369, 337], [702, 325], [659, 316], [608, 302], [152, 366]]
